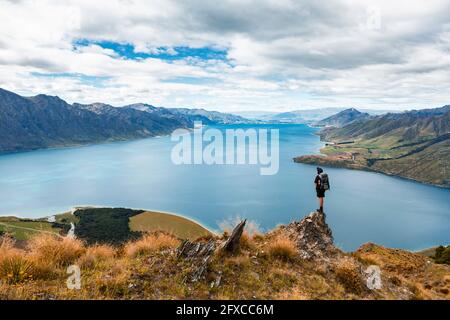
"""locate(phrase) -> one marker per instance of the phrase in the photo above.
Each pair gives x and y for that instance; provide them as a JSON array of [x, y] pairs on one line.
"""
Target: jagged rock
[[312, 236], [199, 254], [232, 243], [195, 250]]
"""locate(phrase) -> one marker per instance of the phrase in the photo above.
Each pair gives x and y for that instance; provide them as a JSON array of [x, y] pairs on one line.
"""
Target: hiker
[[322, 184]]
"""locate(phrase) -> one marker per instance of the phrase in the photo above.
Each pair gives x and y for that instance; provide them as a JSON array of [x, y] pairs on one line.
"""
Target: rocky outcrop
[[232, 243], [198, 254], [312, 236]]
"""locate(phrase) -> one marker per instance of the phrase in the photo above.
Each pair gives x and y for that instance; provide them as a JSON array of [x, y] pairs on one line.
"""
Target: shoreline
[[325, 160], [136, 220], [80, 145], [74, 208], [101, 142]]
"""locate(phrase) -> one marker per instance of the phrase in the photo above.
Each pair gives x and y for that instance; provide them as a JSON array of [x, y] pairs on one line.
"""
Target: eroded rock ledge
[[312, 236]]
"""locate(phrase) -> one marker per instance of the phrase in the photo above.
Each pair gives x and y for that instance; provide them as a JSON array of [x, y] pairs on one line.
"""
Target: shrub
[[282, 249], [105, 225], [150, 243], [442, 255]]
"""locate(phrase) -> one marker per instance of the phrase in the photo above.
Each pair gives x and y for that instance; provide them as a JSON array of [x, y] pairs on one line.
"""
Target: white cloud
[[282, 54]]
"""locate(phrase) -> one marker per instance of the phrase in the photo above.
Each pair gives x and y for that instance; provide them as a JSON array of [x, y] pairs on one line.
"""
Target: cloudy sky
[[230, 55]]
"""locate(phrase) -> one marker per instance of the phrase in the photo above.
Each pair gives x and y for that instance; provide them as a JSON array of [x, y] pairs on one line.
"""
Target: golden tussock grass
[[54, 250], [150, 243], [266, 267], [350, 277], [282, 249], [14, 267], [247, 242], [95, 255]]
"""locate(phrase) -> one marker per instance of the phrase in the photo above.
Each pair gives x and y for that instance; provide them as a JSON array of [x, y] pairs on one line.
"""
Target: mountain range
[[395, 129], [42, 121], [306, 116], [413, 144]]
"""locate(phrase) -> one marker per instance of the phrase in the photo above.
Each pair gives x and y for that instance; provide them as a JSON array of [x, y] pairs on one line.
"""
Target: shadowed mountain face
[[344, 117], [42, 121], [411, 126]]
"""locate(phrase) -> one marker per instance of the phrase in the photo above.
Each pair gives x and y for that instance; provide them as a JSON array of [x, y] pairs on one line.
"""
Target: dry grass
[[282, 249], [6, 247], [55, 251], [95, 255], [266, 267], [150, 243], [247, 242], [14, 267], [395, 260], [179, 226], [239, 262], [350, 277]]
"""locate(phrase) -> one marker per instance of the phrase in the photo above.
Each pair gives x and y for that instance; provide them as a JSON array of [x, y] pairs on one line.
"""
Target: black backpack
[[324, 182]]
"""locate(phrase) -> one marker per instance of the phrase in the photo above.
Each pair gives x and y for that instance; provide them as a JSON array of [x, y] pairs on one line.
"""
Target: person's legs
[[320, 196]]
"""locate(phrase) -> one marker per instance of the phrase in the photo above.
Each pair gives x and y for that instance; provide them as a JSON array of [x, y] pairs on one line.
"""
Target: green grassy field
[[157, 221], [22, 229]]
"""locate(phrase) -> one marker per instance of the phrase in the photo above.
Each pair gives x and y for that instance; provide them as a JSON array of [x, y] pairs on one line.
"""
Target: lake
[[360, 207]]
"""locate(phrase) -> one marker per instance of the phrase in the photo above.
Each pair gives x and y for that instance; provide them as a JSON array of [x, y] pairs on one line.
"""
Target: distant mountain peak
[[141, 107], [344, 117]]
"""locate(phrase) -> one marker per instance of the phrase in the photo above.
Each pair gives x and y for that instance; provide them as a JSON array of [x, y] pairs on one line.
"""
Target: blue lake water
[[360, 207]]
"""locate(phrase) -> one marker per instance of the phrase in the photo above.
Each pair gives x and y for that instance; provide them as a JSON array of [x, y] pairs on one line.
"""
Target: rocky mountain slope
[[396, 129], [294, 261], [413, 145], [42, 121], [343, 118]]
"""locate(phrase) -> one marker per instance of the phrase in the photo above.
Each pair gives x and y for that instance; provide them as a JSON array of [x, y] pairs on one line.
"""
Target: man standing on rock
[[322, 184]]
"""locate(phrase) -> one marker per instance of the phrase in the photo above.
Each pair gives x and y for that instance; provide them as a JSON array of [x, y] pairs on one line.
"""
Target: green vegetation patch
[[23, 229], [105, 225], [66, 217], [442, 255], [178, 226]]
